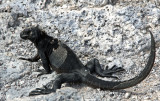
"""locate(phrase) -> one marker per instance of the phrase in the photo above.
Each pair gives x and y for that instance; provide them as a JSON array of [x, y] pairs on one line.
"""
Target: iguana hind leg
[[94, 67], [53, 85]]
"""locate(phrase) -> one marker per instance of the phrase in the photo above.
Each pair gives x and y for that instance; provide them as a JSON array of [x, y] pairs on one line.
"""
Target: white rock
[[21, 82], [127, 95]]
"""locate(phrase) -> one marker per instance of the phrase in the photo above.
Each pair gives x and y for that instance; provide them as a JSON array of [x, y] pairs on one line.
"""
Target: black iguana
[[57, 55]]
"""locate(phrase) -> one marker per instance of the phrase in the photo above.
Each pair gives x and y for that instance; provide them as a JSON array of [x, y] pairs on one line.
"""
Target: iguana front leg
[[45, 63], [53, 85], [94, 67], [34, 59]]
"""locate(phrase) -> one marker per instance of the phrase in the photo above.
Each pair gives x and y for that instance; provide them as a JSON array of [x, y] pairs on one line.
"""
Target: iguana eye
[[31, 33]]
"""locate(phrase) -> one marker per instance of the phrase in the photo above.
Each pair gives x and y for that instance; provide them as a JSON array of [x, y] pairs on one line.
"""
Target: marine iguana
[[57, 55]]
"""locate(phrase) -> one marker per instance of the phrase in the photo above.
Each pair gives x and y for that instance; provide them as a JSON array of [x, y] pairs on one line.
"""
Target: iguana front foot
[[41, 91], [43, 72], [29, 59]]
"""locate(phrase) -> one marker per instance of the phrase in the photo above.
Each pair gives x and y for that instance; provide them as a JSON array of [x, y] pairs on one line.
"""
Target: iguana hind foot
[[113, 70], [94, 67]]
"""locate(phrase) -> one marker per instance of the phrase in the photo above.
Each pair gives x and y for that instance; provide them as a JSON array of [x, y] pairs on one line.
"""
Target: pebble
[[7, 85], [127, 95], [9, 54], [134, 97], [9, 42], [13, 84], [21, 82]]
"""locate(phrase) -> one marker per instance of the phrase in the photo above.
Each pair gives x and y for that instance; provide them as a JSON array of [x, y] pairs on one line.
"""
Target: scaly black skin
[[63, 60]]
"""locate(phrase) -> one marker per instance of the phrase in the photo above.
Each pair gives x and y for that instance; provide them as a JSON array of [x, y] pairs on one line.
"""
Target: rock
[[127, 95], [9, 42], [158, 94], [21, 82], [116, 62], [111, 94], [67, 90], [128, 63], [110, 59], [134, 97], [7, 85]]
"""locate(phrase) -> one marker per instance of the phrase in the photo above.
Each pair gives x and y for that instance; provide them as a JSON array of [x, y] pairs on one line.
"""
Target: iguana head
[[33, 34]]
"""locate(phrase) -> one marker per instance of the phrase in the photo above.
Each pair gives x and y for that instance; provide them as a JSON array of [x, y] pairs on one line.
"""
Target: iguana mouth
[[23, 36]]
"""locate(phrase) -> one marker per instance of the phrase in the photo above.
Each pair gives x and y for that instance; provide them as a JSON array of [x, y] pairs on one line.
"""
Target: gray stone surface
[[92, 28]]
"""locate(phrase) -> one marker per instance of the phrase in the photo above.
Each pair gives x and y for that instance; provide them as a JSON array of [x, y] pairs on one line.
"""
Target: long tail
[[110, 85]]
